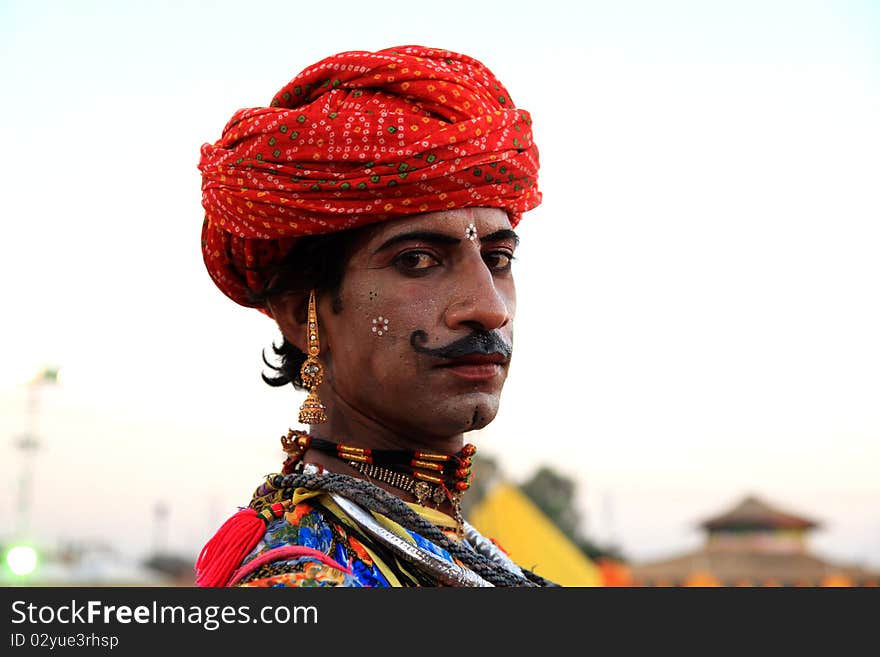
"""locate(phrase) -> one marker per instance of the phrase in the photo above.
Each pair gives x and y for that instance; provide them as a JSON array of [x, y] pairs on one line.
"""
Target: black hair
[[316, 262]]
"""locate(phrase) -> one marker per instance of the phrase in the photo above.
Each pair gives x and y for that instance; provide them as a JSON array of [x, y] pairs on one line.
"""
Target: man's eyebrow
[[418, 236], [501, 235]]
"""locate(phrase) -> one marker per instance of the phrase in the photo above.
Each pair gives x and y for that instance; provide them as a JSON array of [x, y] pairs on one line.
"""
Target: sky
[[697, 294]]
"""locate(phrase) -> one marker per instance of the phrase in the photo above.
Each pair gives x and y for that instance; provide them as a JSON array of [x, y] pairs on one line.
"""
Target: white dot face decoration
[[380, 325], [471, 232]]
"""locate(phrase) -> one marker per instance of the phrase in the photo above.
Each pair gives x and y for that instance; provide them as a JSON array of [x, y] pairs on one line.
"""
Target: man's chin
[[448, 416], [475, 410]]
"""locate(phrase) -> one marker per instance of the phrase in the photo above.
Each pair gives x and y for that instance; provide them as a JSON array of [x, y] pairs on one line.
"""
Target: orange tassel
[[223, 554]]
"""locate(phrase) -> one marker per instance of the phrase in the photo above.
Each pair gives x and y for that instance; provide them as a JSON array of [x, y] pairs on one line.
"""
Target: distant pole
[[28, 444], [160, 527]]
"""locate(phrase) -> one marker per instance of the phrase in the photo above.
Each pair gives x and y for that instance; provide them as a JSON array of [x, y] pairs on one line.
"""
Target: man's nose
[[478, 303]]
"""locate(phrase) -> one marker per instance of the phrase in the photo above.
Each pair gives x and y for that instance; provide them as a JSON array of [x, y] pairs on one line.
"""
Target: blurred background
[[698, 293]]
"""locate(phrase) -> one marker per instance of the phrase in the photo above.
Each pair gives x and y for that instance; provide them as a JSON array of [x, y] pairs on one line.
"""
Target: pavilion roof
[[754, 513]]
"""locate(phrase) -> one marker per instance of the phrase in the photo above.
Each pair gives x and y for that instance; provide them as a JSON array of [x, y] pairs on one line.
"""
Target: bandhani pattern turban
[[357, 138]]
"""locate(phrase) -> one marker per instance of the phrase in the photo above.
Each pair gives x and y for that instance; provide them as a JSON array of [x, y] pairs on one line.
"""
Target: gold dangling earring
[[312, 371]]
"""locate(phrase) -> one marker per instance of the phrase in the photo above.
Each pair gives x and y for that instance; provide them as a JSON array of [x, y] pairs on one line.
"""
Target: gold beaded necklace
[[431, 477]]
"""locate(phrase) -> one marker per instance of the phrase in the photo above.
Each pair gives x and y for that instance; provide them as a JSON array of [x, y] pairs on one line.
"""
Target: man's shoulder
[[305, 546]]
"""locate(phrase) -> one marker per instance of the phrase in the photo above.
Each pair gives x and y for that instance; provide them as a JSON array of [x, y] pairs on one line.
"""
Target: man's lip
[[469, 370], [475, 359]]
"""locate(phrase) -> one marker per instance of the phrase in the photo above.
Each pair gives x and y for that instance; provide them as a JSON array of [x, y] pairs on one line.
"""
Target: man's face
[[422, 343]]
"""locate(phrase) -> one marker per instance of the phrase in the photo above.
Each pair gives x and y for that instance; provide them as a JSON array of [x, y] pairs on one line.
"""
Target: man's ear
[[290, 311]]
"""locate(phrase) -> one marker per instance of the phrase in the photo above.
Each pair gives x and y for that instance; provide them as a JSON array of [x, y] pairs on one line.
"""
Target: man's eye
[[499, 260], [415, 260]]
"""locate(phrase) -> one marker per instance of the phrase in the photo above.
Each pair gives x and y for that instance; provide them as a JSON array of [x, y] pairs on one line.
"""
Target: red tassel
[[223, 554]]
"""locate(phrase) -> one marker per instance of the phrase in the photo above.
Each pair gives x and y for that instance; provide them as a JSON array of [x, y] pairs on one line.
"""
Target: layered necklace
[[431, 477]]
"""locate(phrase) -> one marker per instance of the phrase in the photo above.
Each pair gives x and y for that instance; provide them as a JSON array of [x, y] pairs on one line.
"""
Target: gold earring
[[312, 371]]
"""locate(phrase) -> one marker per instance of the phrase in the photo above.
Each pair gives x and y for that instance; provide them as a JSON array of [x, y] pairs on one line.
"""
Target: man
[[369, 210]]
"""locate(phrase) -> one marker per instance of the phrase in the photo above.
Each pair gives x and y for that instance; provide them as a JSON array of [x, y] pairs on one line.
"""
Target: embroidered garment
[[316, 544], [314, 537]]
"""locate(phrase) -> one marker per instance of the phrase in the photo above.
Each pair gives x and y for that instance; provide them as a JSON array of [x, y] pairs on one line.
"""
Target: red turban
[[357, 138]]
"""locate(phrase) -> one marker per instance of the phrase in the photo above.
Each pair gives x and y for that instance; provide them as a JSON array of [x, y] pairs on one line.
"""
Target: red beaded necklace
[[429, 476]]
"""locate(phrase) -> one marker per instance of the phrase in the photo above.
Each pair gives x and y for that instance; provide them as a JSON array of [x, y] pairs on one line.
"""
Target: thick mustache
[[477, 342]]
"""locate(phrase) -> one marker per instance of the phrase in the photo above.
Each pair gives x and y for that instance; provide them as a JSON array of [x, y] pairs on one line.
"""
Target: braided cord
[[380, 501]]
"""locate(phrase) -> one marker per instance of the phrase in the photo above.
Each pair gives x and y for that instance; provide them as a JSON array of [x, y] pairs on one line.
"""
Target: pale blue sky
[[704, 261]]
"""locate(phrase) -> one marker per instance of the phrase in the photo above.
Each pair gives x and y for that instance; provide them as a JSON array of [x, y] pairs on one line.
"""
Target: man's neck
[[346, 425]]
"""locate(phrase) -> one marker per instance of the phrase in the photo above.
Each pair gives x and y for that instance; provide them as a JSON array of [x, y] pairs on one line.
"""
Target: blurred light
[[47, 374], [22, 559]]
